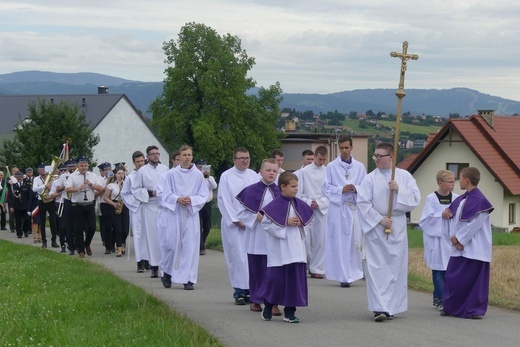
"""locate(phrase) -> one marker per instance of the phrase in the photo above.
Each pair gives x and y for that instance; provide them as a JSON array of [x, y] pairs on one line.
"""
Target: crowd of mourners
[[324, 221]]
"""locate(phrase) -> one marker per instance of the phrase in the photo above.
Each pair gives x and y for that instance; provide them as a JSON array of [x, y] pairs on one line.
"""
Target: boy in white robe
[[434, 223], [181, 193], [386, 254], [232, 229]]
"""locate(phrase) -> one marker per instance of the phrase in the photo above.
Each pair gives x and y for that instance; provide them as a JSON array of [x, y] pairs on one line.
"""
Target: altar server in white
[[233, 230], [386, 254], [181, 193]]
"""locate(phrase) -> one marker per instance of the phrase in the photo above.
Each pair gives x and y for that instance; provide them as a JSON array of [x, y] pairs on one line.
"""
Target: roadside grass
[[51, 300]]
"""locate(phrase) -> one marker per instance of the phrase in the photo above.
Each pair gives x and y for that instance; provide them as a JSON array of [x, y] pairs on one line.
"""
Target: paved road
[[335, 316]]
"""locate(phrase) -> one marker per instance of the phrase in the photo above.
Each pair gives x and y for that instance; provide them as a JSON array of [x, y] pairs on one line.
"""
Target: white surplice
[[386, 260], [146, 181], [342, 252], [178, 225], [232, 181], [309, 188], [436, 233], [134, 207]]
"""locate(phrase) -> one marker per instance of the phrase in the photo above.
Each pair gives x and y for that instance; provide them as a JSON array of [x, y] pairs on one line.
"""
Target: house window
[[456, 168], [512, 213]]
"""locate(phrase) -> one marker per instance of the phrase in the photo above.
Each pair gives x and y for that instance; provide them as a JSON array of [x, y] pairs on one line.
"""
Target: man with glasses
[[386, 254], [342, 252], [143, 188], [233, 230]]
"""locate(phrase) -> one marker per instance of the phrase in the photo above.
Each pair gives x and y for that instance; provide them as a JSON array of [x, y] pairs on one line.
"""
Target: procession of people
[[278, 228]]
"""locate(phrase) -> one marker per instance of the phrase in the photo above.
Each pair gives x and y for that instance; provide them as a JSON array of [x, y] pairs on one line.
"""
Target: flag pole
[[400, 93]]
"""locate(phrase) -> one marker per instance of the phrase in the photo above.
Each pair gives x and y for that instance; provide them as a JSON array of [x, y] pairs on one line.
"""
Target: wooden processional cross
[[400, 93]]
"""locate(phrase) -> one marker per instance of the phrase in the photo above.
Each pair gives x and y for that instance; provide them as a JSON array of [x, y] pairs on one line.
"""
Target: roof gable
[[496, 147]]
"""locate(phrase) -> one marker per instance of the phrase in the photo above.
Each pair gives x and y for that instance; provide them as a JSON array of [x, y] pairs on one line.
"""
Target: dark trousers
[[22, 222], [12, 224], [60, 226], [84, 217], [51, 209], [120, 224], [2, 217], [68, 224], [205, 223], [105, 226]]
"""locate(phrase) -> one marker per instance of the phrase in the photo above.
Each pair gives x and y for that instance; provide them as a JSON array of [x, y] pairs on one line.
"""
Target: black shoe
[[108, 251], [444, 313], [54, 244], [188, 286], [146, 265], [72, 252], [26, 234], [63, 249], [344, 284], [379, 316], [140, 267], [4, 228], [155, 272], [166, 280], [19, 236], [44, 244], [240, 301]]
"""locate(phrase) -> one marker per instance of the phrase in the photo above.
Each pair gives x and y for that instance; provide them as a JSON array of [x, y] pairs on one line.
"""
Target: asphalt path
[[335, 316]]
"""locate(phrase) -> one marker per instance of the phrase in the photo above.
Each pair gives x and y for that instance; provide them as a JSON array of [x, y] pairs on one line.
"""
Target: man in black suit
[[18, 200]]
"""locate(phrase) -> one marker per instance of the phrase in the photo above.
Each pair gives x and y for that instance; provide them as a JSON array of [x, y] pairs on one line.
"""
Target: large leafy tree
[[204, 101], [41, 135]]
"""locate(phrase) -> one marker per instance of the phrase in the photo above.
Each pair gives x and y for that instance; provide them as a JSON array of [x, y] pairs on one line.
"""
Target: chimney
[[488, 116], [102, 89]]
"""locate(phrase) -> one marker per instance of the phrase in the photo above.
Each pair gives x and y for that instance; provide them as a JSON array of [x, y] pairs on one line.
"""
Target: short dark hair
[[174, 154], [472, 174], [286, 177], [240, 150], [345, 138], [150, 148], [136, 155], [307, 152], [321, 150], [276, 152], [388, 147]]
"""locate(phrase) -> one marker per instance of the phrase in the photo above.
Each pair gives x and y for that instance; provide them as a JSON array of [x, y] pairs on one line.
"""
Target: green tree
[[204, 101], [43, 133]]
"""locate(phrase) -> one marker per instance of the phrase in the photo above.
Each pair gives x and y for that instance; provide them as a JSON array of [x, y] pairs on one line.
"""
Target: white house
[[113, 117], [485, 141]]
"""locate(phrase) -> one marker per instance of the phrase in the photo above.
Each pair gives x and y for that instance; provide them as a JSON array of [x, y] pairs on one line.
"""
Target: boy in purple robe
[[253, 198], [285, 219], [466, 283]]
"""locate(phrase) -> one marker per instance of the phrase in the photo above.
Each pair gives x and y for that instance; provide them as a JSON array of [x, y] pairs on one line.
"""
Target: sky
[[321, 46]]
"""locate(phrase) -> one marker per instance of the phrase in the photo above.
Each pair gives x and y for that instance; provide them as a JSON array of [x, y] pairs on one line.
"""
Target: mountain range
[[440, 102]]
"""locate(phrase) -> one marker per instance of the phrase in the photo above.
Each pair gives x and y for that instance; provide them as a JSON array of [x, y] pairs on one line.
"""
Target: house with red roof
[[485, 141]]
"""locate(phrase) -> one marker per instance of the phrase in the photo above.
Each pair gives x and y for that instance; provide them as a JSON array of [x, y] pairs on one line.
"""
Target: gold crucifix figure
[[404, 56]]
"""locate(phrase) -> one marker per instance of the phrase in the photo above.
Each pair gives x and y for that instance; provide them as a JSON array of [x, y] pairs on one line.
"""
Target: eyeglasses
[[379, 156], [155, 153], [243, 159]]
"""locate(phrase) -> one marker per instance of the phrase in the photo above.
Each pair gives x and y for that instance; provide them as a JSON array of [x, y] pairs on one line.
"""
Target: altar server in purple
[[253, 198], [284, 219], [466, 282]]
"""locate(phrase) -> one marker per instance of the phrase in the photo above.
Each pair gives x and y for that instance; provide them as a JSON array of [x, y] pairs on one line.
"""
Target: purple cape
[[252, 196], [278, 210], [476, 203]]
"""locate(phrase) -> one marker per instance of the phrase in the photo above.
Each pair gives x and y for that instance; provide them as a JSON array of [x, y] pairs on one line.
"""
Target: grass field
[[51, 300], [416, 129]]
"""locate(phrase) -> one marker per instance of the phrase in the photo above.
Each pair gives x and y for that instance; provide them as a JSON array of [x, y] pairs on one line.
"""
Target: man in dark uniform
[[18, 201], [3, 198], [45, 206]]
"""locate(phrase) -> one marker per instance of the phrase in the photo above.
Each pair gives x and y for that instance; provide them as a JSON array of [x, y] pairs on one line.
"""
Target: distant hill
[[439, 102]]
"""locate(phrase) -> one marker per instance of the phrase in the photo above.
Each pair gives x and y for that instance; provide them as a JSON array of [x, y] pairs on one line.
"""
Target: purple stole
[[278, 210], [476, 203], [253, 195]]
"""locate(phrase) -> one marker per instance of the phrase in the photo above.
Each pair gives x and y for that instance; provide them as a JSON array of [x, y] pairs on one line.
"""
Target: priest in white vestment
[[342, 252], [144, 188], [233, 231], [386, 255], [181, 193]]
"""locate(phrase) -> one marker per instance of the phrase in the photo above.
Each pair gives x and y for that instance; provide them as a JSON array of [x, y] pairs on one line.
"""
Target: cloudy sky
[[308, 46]]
